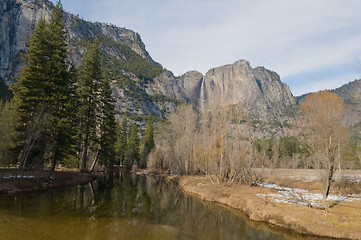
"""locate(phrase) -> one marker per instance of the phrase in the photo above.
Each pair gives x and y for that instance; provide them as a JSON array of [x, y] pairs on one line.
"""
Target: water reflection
[[124, 206]]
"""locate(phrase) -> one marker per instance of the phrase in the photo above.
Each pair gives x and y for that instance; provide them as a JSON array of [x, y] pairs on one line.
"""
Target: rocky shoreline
[[13, 181], [341, 221]]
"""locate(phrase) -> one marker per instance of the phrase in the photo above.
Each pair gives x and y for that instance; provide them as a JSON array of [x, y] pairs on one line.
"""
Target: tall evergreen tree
[[61, 90], [8, 116], [122, 140], [132, 147], [5, 93], [107, 126], [29, 95], [148, 145], [88, 91], [42, 94]]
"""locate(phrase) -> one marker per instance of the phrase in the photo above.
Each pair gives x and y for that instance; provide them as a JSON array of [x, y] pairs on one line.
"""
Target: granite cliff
[[260, 90]]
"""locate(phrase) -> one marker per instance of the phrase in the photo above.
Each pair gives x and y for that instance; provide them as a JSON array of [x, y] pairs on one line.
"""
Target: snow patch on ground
[[17, 176], [302, 197]]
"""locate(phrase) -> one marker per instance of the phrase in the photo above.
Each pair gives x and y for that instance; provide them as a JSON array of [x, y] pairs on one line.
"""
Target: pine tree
[[42, 95], [90, 78], [8, 116], [132, 147], [71, 107], [148, 145], [117, 143], [29, 96], [107, 127], [5, 93], [122, 141], [60, 86]]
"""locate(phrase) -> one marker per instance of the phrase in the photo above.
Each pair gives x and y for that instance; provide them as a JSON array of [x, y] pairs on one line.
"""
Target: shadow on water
[[126, 206]]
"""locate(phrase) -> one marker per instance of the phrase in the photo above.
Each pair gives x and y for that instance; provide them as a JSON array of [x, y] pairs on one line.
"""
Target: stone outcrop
[[351, 94], [259, 90], [185, 87]]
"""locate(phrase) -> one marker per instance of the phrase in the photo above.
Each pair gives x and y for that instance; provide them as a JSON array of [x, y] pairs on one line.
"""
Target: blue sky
[[312, 44]]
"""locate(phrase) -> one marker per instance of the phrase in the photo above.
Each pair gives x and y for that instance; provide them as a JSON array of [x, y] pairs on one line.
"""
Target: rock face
[[259, 90], [351, 94], [19, 17], [185, 87]]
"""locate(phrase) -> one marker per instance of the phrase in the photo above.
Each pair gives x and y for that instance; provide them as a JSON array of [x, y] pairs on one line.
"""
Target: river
[[129, 207]]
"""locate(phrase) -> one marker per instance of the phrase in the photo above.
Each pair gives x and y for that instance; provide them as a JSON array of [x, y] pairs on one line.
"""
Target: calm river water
[[125, 206]]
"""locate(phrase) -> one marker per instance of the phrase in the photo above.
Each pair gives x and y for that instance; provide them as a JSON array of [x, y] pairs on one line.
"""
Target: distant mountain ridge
[[351, 94]]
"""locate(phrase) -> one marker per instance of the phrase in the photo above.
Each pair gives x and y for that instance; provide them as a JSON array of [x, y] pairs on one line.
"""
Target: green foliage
[[131, 88], [286, 146], [162, 98], [122, 139], [132, 147], [107, 125], [132, 61], [5, 93], [289, 146], [61, 136], [148, 145], [144, 118], [8, 116], [351, 155], [42, 95], [90, 77]]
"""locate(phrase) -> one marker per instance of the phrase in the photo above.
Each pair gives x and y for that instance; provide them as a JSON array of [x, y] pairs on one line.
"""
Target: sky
[[312, 44]]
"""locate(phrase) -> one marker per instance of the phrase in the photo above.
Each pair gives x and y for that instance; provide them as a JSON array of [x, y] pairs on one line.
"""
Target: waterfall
[[202, 94]]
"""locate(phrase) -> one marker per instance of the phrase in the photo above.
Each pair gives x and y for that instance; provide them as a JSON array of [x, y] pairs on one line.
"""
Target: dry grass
[[340, 221]]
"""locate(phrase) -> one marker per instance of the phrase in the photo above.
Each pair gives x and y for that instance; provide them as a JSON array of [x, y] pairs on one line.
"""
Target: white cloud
[[323, 83]]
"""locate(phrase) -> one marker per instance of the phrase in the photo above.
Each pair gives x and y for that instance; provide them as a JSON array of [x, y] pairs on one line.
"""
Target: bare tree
[[217, 143], [324, 124], [223, 153], [180, 138]]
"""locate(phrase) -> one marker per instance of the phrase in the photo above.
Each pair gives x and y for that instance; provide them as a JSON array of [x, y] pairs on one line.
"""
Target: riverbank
[[340, 221], [14, 181]]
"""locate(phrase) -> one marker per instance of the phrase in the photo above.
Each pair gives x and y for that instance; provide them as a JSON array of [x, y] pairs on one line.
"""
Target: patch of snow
[[28, 176], [302, 197], [16, 176]]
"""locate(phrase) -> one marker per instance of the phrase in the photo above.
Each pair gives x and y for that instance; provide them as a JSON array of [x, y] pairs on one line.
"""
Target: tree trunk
[[53, 158], [95, 160], [327, 185], [84, 155]]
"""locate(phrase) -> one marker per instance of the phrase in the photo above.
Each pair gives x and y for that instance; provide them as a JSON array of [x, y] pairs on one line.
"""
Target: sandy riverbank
[[14, 181], [340, 221]]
